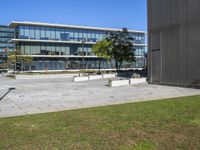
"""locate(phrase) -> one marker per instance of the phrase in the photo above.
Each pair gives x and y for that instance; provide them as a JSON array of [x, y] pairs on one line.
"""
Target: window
[[53, 48], [67, 50], [43, 47], [64, 36], [76, 34], [48, 33], [80, 33], [58, 33], [21, 32], [37, 33], [26, 32], [58, 48], [53, 34], [43, 35], [89, 36], [4, 39], [27, 49], [62, 49], [101, 35], [71, 34], [97, 36], [85, 34], [48, 47], [35, 49], [32, 32], [6, 29], [93, 34], [6, 45], [7, 34]]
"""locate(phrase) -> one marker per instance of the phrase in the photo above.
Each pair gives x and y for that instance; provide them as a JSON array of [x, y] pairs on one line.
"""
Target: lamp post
[[5, 58], [15, 60], [83, 59], [15, 51]]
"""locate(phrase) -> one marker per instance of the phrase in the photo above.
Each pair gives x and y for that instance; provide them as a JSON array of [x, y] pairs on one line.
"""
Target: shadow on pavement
[[9, 90]]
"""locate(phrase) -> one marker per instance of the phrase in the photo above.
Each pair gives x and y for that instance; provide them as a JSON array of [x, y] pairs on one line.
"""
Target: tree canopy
[[16, 56], [102, 49], [122, 47], [117, 46]]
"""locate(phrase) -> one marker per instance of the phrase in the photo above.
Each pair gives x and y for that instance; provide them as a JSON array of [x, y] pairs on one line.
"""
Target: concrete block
[[118, 83], [108, 76], [77, 79], [136, 81], [95, 77]]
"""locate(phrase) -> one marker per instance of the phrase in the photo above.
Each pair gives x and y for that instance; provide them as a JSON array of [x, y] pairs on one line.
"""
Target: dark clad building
[[174, 42]]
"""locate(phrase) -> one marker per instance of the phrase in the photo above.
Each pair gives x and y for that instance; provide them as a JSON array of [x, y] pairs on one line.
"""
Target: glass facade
[[59, 48], [77, 63], [139, 50], [6, 34], [67, 63], [59, 34], [41, 48], [67, 34]]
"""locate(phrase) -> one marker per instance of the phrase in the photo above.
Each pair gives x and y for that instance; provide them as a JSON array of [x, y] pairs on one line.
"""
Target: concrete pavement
[[34, 96]]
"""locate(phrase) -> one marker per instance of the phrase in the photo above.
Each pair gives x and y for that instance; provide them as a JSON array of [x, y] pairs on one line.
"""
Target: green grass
[[164, 124]]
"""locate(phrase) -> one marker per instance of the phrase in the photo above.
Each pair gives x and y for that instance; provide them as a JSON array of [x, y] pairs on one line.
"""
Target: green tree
[[16, 57], [102, 50], [25, 59], [121, 49]]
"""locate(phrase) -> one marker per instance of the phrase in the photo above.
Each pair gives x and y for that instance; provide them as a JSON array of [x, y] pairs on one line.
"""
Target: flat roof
[[17, 23]]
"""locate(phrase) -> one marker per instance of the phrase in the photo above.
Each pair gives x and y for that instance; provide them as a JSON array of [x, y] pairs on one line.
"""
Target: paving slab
[[33, 96]]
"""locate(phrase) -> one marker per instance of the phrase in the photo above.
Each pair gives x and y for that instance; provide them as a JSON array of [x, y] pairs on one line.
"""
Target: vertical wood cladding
[[174, 29]]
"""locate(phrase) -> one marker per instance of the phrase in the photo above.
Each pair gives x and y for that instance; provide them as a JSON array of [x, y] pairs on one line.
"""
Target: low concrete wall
[[108, 76], [138, 81], [119, 83], [78, 79], [45, 76], [95, 77], [127, 82]]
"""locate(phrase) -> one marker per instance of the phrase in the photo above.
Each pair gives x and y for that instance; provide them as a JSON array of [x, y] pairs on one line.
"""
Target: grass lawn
[[170, 124]]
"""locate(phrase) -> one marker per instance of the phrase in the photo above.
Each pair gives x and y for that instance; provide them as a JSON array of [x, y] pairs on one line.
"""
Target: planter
[[115, 83], [11, 76], [77, 79], [105, 76], [136, 81], [95, 77]]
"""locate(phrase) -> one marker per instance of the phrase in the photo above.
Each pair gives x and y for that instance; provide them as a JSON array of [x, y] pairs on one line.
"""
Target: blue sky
[[100, 13]]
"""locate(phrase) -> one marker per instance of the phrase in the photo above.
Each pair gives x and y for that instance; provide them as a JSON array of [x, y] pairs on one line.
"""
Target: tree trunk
[[116, 65], [29, 66], [99, 66], [120, 64], [22, 66]]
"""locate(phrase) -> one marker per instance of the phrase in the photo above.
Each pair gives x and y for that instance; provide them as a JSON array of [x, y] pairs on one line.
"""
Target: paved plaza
[[32, 96]]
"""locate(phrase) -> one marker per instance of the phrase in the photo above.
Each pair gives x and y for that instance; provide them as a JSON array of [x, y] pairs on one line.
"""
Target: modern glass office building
[[63, 47], [6, 34]]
